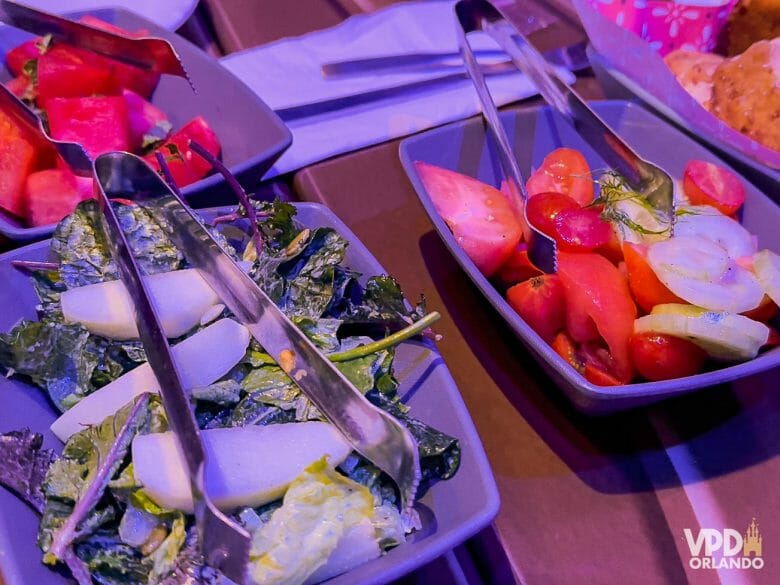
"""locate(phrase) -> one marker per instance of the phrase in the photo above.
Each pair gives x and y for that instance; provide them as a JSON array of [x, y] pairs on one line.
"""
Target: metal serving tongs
[[541, 248], [73, 154], [150, 53], [224, 544], [645, 178], [374, 433]]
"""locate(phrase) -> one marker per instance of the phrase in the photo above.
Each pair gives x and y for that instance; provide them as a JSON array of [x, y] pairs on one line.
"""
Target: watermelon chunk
[[52, 194], [18, 56], [145, 120], [18, 155], [100, 124], [125, 76], [21, 86], [65, 71], [186, 166]]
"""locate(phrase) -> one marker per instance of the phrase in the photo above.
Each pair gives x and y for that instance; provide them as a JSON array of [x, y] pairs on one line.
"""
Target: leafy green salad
[[115, 506]]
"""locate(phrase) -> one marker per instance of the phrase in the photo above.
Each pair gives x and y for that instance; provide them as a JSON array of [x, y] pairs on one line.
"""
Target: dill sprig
[[615, 189]]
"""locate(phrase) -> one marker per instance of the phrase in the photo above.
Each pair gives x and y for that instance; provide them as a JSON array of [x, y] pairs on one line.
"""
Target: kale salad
[[114, 505]]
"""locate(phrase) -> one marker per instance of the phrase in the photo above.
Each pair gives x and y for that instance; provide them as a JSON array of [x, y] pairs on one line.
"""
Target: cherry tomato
[[646, 287], [563, 171], [662, 357], [540, 302], [594, 286], [518, 268], [543, 208], [581, 230], [480, 217], [764, 312], [706, 183]]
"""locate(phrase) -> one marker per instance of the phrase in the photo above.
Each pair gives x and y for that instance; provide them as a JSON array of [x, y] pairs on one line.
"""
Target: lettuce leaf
[[84, 254], [64, 359], [320, 506], [23, 465], [75, 483]]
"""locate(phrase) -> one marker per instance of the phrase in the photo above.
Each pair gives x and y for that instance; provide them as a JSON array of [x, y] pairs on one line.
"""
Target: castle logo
[[725, 549], [752, 544]]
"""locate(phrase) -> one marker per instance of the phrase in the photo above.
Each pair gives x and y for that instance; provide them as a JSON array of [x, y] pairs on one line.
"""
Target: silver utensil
[[572, 57], [73, 154], [149, 53], [291, 113], [374, 433], [647, 179], [541, 248], [225, 545]]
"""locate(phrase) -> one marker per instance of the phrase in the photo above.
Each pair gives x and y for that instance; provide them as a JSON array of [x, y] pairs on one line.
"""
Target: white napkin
[[287, 73]]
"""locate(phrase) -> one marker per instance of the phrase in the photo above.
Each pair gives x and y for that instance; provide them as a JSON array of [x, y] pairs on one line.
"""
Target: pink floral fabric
[[668, 25]]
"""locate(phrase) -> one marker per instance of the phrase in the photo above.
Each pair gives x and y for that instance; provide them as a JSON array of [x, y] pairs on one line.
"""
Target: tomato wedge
[[509, 189], [518, 268], [593, 362], [480, 217], [663, 357], [581, 230], [580, 325], [764, 312], [540, 302], [564, 347], [564, 171], [706, 183], [613, 249], [594, 286], [648, 289], [598, 366], [773, 340]]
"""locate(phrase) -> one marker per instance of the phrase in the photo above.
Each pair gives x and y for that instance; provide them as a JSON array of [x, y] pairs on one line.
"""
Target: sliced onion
[[703, 221], [724, 336], [767, 267], [700, 272], [641, 215], [689, 257]]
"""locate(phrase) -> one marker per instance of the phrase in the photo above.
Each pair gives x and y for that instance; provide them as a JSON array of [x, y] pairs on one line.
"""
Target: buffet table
[[596, 500], [583, 500]]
